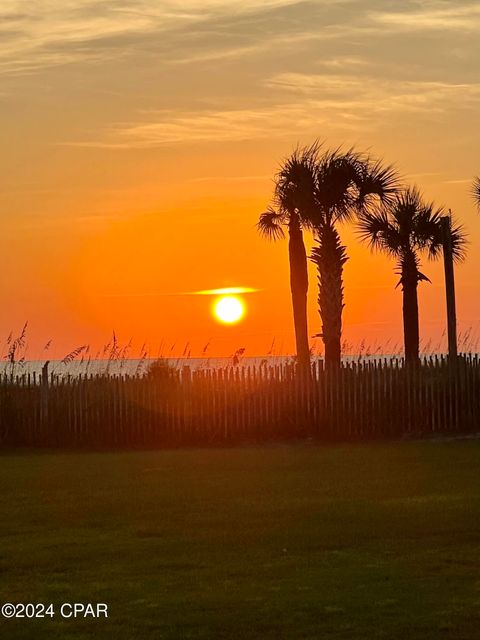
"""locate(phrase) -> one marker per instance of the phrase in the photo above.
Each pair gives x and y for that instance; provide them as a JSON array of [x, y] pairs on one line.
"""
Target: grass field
[[345, 542]]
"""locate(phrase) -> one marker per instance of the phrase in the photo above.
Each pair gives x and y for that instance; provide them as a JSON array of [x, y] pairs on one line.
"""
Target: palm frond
[[326, 186], [377, 231], [476, 191], [376, 181], [458, 238], [270, 223], [295, 182], [408, 226], [426, 225], [336, 173], [406, 206]]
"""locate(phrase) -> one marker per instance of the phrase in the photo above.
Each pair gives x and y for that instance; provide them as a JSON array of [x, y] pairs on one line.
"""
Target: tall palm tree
[[344, 184], [476, 191], [404, 230], [270, 225], [292, 185]]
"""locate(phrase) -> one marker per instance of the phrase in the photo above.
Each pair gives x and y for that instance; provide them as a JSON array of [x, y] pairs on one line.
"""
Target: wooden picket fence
[[381, 399]]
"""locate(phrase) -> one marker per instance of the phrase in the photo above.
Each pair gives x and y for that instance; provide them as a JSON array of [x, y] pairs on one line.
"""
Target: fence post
[[186, 408], [44, 396]]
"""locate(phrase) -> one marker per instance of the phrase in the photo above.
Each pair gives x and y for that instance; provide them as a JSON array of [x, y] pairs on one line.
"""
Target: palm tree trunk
[[411, 330], [330, 256], [299, 289], [449, 287]]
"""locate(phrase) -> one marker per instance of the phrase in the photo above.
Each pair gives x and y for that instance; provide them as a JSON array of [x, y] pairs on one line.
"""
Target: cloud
[[205, 292], [305, 102], [377, 93], [310, 64], [260, 178], [459, 181], [37, 35], [455, 16], [224, 291], [172, 127], [53, 32], [42, 34]]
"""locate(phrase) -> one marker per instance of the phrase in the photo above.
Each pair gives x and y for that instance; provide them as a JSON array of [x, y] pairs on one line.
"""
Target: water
[[133, 366], [140, 367]]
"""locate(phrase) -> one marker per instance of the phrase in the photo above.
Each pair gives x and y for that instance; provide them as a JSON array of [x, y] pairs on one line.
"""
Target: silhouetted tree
[[404, 230], [292, 182], [316, 190], [343, 184]]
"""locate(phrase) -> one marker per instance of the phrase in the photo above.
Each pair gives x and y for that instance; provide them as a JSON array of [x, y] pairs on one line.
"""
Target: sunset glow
[[125, 186], [225, 291]]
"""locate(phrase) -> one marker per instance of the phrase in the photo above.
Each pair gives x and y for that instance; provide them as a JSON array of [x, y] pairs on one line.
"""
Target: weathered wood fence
[[359, 401]]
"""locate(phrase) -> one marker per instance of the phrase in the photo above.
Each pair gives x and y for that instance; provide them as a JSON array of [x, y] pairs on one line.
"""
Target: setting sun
[[229, 309]]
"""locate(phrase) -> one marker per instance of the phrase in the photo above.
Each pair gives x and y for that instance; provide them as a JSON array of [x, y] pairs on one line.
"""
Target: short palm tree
[[292, 182], [404, 230], [345, 183]]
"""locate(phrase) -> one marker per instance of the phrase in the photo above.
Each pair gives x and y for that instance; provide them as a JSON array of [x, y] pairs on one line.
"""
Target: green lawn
[[364, 541]]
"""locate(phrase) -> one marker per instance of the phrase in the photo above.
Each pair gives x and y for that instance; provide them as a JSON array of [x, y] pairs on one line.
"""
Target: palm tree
[[316, 190], [404, 230], [344, 184], [270, 225], [291, 185], [476, 191]]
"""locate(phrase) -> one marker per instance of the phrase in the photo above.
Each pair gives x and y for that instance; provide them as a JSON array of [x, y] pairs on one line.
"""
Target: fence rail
[[358, 401]]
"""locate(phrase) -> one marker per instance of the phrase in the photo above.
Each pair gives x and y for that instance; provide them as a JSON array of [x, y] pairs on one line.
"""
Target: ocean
[[139, 367]]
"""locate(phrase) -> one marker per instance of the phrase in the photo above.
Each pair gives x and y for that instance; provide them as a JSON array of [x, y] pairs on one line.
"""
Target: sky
[[140, 139]]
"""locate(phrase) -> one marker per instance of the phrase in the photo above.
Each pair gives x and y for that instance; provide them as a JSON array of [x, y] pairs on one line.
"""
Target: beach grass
[[275, 542]]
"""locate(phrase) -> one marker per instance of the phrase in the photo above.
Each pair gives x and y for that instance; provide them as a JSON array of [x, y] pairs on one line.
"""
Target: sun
[[229, 309]]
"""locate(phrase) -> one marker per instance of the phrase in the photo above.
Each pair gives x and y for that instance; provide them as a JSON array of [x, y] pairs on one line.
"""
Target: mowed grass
[[365, 541]]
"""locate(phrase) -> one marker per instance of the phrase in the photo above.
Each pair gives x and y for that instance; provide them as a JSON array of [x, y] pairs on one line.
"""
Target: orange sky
[[139, 142]]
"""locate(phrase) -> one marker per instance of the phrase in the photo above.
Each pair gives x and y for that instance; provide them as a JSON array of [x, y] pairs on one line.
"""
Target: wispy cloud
[[53, 32], [171, 127], [377, 94], [343, 101], [459, 181], [232, 178], [453, 16], [224, 291], [42, 34], [205, 292], [351, 78]]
